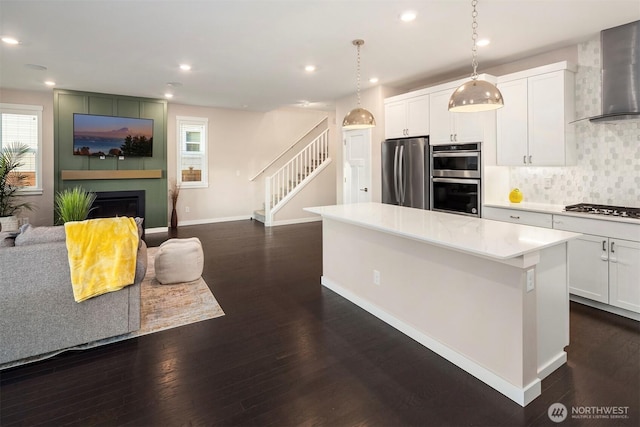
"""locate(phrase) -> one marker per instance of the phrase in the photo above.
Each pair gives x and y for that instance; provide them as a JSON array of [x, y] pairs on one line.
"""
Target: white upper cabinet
[[406, 115], [534, 125], [448, 127]]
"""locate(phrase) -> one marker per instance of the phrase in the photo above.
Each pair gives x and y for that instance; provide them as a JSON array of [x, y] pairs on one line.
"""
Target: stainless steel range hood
[[620, 47]]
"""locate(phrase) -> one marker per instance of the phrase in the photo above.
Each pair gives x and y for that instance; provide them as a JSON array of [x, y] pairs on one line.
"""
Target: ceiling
[[251, 53]]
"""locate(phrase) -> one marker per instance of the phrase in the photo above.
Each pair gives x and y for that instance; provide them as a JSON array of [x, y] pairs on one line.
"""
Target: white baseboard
[[156, 230], [559, 360], [605, 307], [295, 221], [197, 222], [522, 396], [231, 218], [214, 220]]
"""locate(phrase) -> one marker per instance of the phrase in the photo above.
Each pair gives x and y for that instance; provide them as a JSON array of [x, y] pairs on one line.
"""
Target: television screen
[[112, 136]]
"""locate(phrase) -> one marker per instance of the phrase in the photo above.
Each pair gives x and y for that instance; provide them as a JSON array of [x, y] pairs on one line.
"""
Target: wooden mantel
[[74, 175]]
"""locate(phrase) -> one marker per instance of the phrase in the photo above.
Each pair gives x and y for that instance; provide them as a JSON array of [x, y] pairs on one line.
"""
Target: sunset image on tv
[[112, 136]]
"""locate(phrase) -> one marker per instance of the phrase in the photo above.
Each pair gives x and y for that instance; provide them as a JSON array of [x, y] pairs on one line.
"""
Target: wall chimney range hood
[[620, 47]]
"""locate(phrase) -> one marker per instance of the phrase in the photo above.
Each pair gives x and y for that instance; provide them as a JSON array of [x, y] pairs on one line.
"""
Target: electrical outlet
[[530, 280], [376, 277], [547, 183], [187, 209]]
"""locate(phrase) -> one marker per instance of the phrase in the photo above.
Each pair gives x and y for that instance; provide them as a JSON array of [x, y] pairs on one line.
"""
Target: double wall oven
[[455, 178]]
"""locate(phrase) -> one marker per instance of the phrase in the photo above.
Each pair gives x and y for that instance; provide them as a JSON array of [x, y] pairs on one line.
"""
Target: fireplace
[[118, 203]]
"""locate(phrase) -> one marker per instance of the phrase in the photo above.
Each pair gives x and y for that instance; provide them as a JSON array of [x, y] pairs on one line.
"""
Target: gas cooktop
[[619, 211]]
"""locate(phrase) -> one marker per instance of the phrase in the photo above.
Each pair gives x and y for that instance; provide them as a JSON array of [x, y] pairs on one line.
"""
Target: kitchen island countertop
[[492, 239]]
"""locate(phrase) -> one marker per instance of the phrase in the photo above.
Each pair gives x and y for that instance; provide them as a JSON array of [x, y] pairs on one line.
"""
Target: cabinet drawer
[[602, 227], [519, 217]]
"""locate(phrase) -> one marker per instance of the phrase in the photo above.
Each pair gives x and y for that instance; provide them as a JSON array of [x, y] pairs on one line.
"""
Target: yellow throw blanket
[[102, 255]]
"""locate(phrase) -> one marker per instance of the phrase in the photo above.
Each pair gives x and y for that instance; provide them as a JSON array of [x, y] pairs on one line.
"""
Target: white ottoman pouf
[[179, 260]]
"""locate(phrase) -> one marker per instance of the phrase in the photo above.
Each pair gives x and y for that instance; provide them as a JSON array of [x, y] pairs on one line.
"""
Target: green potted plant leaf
[[11, 180], [73, 204]]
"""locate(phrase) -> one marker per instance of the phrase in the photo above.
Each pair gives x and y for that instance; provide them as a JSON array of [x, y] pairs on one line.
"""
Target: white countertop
[[492, 239], [558, 210]]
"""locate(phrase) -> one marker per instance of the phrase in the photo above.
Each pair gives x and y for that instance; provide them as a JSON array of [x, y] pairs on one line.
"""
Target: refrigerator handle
[[402, 177], [395, 175]]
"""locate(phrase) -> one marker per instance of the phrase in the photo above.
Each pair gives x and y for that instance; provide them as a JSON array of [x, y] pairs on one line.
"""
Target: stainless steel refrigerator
[[405, 172]]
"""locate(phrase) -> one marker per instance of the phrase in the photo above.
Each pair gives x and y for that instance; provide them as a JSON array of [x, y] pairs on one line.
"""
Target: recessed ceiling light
[[168, 95], [50, 83], [185, 67], [310, 68], [10, 40], [483, 42], [373, 80], [408, 16]]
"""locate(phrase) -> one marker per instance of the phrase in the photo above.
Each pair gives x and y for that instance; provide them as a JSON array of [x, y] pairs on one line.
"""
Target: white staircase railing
[[283, 184]]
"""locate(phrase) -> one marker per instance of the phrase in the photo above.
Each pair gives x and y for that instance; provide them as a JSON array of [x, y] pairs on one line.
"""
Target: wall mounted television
[[111, 136]]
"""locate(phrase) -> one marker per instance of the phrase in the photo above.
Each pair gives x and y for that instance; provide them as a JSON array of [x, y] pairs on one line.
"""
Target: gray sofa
[[38, 314]]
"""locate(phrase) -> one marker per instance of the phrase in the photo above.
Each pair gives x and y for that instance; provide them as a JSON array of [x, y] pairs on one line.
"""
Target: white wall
[[241, 143], [42, 213]]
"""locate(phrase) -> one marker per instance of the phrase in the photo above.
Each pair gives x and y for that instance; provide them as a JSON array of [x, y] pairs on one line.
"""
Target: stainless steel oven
[[456, 160], [455, 178]]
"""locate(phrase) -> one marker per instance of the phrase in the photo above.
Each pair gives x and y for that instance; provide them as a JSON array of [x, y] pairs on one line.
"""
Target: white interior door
[[357, 166]]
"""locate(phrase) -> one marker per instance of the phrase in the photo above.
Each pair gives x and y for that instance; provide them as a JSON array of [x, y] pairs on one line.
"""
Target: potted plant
[[73, 204], [11, 180]]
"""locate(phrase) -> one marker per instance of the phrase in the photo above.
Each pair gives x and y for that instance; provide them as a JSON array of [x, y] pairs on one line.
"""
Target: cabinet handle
[[451, 137], [530, 159], [455, 137], [524, 159], [612, 258], [514, 217], [605, 255]]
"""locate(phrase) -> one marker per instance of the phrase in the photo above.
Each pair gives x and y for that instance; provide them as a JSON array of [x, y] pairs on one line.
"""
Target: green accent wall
[[66, 103]]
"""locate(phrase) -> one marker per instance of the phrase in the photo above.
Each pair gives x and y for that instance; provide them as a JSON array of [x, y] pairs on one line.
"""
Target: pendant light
[[358, 118], [475, 95]]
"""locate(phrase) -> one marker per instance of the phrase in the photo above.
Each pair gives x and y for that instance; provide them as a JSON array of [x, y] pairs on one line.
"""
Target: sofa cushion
[[139, 221], [30, 235]]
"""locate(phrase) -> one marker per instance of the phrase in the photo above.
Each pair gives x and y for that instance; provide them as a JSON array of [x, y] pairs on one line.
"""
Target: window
[[23, 124], [192, 152]]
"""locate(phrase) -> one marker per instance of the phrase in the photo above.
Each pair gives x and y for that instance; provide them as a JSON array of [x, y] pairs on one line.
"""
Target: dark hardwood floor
[[289, 352]]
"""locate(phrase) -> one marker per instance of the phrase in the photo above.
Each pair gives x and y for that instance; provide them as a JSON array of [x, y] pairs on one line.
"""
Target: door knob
[[365, 189]]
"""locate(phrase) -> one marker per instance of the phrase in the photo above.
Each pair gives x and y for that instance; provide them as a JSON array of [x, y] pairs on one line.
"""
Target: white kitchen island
[[490, 297]]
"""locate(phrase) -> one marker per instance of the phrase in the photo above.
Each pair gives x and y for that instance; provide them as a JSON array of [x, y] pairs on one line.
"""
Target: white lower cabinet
[[603, 267], [624, 274], [605, 270], [589, 267]]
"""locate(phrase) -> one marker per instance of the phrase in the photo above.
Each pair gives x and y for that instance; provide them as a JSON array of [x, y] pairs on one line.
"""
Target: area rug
[[170, 306], [162, 307]]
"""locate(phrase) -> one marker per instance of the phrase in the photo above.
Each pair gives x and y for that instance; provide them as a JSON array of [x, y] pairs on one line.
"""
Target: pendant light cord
[[474, 38], [358, 43]]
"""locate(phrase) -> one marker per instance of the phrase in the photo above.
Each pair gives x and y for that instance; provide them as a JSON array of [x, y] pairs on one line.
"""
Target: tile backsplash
[[608, 155]]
